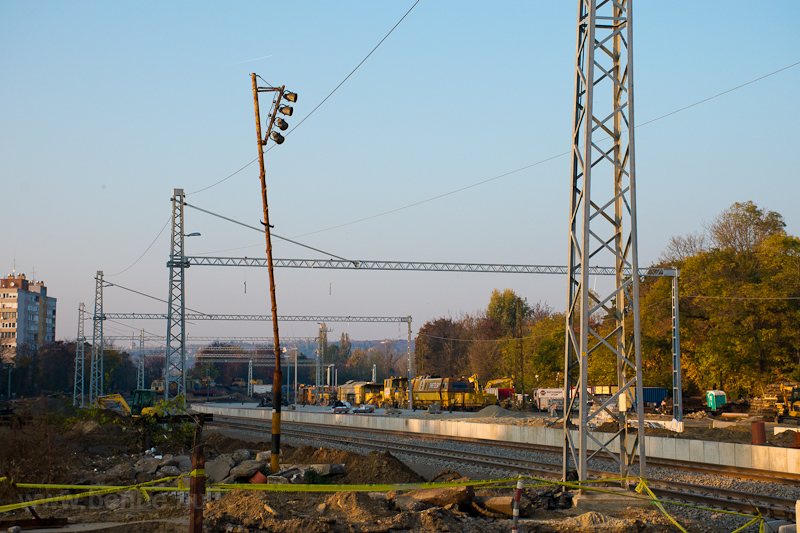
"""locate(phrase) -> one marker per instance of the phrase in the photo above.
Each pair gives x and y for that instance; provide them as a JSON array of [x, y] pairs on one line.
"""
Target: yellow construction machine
[[788, 405], [502, 383], [143, 403]]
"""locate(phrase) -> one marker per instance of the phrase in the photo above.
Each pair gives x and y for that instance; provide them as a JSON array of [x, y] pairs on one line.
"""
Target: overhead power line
[[318, 105], [147, 250], [261, 230], [462, 189], [147, 296]]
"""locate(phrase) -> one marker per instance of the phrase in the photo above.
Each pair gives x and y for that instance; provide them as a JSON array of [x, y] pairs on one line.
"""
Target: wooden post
[[197, 490]]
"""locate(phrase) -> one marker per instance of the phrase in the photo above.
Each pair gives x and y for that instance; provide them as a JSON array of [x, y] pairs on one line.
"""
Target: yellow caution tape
[[145, 488], [289, 487], [643, 486], [104, 490]]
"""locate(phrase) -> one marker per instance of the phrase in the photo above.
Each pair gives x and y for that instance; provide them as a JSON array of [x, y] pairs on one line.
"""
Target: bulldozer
[[143, 403], [788, 405]]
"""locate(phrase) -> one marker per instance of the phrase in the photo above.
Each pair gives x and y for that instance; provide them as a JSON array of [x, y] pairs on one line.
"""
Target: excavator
[[143, 403], [788, 405]]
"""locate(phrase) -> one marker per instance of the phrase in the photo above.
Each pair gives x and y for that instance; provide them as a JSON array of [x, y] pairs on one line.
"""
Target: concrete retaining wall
[[718, 453]]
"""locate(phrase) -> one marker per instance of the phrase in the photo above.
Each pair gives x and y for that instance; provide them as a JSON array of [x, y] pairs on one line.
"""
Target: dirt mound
[[338, 512], [311, 455], [292, 512], [355, 507], [376, 467], [495, 411], [380, 467], [784, 439], [216, 442], [610, 426]]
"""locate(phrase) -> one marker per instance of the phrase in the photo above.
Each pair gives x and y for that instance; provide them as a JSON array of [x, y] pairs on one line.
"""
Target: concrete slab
[[696, 451], [711, 452], [682, 449], [652, 446], [667, 448], [727, 454], [760, 457], [778, 459], [793, 462], [743, 455]]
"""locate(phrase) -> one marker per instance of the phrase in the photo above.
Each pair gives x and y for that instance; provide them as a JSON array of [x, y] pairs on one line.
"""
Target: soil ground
[[103, 452]]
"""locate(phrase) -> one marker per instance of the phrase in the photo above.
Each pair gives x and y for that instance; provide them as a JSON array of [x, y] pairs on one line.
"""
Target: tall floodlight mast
[[273, 120], [175, 370], [602, 229]]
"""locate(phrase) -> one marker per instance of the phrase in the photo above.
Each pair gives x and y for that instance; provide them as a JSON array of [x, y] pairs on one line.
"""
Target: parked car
[[340, 407]]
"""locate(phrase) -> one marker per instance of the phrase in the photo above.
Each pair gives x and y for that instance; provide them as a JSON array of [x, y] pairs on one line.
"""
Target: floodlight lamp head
[[277, 137], [290, 97], [286, 110], [282, 124]]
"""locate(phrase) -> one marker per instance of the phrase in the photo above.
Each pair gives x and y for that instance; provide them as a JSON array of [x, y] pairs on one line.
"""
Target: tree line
[[739, 318], [739, 328]]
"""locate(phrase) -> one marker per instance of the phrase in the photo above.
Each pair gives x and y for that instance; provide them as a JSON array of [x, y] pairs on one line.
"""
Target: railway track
[[716, 497]]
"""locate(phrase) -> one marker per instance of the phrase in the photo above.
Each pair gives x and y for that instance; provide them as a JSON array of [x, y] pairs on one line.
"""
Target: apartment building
[[27, 313]]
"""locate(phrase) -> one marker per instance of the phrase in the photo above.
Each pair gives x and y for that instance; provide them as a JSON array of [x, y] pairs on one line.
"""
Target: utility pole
[[603, 229], [277, 380]]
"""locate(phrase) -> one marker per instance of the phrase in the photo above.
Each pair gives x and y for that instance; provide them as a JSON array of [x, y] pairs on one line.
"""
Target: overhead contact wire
[[260, 230]]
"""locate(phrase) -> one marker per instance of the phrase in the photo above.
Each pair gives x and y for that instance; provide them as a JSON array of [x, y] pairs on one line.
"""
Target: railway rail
[[721, 498]]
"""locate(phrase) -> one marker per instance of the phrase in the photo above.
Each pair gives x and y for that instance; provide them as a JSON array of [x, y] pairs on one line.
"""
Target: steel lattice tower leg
[[80, 358], [176, 312], [602, 229], [250, 378], [96, 379], [677, 388], [140, 373]]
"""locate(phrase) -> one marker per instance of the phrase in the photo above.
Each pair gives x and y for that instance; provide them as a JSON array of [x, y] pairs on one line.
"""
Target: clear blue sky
[[107, 106]]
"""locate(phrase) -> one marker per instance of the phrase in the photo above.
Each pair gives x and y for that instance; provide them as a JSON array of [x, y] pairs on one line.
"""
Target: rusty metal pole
[[197, 490], [278, 377]]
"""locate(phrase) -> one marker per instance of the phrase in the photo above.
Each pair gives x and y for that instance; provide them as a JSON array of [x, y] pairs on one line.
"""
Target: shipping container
[[653, 396], [262, 389]]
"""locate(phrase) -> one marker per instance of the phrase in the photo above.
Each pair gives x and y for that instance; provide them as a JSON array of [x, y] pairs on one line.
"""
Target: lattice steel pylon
[[140, 370], [96, 374], [80, 359], [602, 229], [176, 311]]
